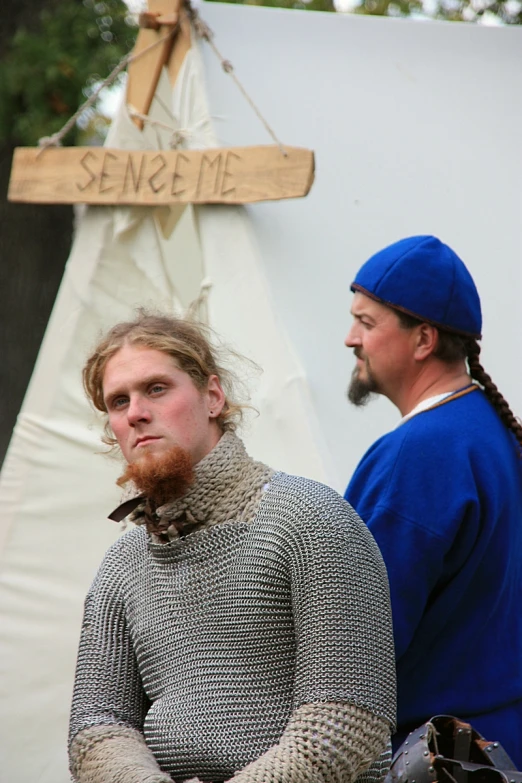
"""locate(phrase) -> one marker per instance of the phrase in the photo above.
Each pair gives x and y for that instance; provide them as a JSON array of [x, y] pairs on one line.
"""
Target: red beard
[[161, 478]]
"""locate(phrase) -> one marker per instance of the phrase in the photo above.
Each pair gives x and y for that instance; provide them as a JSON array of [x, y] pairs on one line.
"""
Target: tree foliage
[[485, 11], [491, 11], [309, 5], [49, 68], [47, 71]]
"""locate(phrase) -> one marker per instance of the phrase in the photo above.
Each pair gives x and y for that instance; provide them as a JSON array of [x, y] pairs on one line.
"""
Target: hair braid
[[454, 347], [501, 406]]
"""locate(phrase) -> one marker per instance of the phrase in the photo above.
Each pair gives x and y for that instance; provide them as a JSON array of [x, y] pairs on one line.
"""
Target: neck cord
[[470, 387]]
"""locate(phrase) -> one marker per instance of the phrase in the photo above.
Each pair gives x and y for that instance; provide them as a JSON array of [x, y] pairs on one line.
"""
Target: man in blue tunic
[[442, 492]]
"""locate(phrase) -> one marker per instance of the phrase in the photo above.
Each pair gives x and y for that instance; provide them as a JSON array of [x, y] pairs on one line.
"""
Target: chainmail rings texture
[[323, 743], [238, 637], [352, 739], [115, 754]]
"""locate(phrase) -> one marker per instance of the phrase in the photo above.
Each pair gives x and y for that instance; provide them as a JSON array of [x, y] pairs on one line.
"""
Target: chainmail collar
[[228, 485]]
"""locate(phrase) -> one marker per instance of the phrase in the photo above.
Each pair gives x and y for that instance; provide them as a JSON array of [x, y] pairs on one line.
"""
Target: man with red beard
[[442, 492], [242, 629]]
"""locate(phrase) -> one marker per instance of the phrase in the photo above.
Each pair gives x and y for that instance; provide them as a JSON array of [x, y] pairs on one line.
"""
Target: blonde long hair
[[186, 341]]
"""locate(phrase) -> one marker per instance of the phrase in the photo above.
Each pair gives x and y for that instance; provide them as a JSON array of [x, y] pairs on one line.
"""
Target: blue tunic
[[442, 495]]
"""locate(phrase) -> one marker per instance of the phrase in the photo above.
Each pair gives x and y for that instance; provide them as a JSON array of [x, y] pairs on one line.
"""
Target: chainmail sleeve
[[108, 697], [325, 743], [340, 598], [344, 694], [113, 754]]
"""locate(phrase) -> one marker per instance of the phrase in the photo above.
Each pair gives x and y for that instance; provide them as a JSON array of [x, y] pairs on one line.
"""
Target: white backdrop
[[415, 128]]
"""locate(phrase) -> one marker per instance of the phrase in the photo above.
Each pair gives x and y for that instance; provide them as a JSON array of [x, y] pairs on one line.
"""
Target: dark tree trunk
[[34, 245]]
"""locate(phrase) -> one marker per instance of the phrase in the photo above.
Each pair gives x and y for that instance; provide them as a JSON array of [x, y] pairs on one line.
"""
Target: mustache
[[357, 352]]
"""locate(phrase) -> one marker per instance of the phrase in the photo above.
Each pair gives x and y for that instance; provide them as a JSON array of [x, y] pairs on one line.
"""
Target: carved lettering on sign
[[104, 173], [131, 175], [232, 175], [228, 173], [177, 175], [83, 164], [208, 164], [154, 186]]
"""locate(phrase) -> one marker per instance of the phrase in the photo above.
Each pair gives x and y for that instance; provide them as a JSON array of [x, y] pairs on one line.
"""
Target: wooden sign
[[98, 175]]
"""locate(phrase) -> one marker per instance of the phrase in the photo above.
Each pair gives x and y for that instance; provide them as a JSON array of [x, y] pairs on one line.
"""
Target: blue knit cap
[[425, 278]]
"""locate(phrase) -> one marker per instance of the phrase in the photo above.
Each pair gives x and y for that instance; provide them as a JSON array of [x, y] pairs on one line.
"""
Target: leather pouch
[[448, 750]]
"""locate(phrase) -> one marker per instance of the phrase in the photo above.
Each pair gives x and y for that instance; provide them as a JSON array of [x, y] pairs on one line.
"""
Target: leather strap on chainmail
[[114, 754], [322, 743], [228, 485]]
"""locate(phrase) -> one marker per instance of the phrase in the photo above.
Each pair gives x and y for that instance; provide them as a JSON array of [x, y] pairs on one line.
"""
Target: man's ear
[[427, 340], [215, 396]]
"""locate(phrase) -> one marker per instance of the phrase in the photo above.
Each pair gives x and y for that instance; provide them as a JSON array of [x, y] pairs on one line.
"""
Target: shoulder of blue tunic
[[452, 422], [455, 428]]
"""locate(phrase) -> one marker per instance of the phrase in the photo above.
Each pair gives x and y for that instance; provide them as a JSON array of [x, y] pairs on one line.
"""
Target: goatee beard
[[161, 478], [360, 391]]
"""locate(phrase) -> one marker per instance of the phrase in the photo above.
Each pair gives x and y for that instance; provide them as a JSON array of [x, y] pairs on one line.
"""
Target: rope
[[179, 135], [197, 309], [204, 31], [56, 138]]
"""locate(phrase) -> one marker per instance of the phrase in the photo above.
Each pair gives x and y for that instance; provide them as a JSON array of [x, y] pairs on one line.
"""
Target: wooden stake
[[182, 44], [144, 73]]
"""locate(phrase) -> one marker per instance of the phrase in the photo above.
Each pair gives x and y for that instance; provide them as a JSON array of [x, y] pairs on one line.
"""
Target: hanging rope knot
[[178, 138], [227, 66], [177, 135], [202, 29], [50, 141]]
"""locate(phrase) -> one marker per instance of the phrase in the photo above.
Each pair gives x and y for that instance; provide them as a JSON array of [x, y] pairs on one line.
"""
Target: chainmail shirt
[[209, 644]]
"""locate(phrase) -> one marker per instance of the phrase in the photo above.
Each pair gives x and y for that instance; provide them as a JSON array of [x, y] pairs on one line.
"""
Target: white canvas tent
[[415, 129]]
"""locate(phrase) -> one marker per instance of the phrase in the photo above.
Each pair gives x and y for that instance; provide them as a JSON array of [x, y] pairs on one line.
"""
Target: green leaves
[[50, 70], [484, 11], [47, 73]]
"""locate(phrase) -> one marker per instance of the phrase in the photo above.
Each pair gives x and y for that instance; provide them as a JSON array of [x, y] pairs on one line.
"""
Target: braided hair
[[453, 347], [491, 391]]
